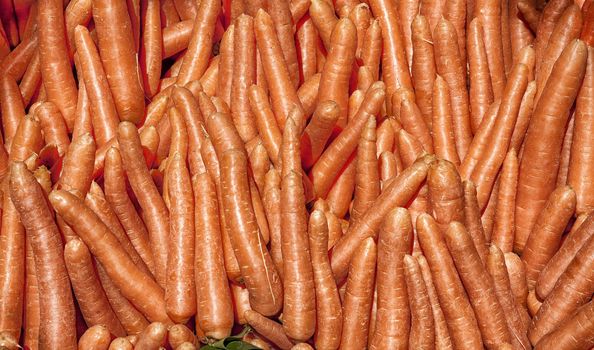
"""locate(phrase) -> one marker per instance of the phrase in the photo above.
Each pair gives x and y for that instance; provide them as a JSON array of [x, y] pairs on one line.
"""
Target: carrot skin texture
[[489, 12], [538, 169], [422, 332], [393, 311], [318, 131], [283, 23], [423, 67], [96, 337], [215, 310], [444, 142], [359, 295], [151, 48], [446, 194], [118, 55], [152, 337], [54, 59], [574, 333], [13, 110], [367, 182], [459, 315], [481, 89], [55, 298], [269, 329], [472, 219], [503, 228]]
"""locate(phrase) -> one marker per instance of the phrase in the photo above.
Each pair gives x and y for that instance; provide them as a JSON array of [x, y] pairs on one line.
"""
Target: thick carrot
[[214, 313], [495, 265], [87, 288], [538, 167], [385, 137], [444, 142], [337, 69], [324, 18], [422, 331], [489, 13], [257, 268], [316, 133], [298, 9], [451, 68], [269, 329], [359, 295], [280, 13], [524, 115], [531, 15], [504, 225], [152, 337], [180, 290], [283, 94], [558, 264], [481, 89], [118, 55], [423, 67], [545, 238], [13, 110], [151, 48], [120, 344], [196, 59], [78, 12], [397, 193], [307, 43], [480, 288], [97, 337], [335, 156], [54, 59], [56, 308], [31, 320], [581, 165], [573, 289], [574, 333], [340, 195], [455, 13], [367, 182], [388, 167], [446, 194], [371, 51], [458, 312], [393, 311], [394, 66], [157, 221]]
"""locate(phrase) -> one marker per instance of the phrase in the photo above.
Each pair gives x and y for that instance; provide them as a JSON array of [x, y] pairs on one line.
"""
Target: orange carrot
[[340, 195], [446, 194], [565, 154], [152, 337], [517, 277], [151, 46], [422, 331], [503, 227], [308, 94], [443, 134], [524, 115], [30, 83], [298, 9], [318, 131], [15, 63], [574, 333], [176, 36], [96, 337], [455, 13], [269, 329], [412, 121], [423, 67], [13, 110], [489, 13], [178, 334], [226, 64], [307, 42], [481, 89], [472, 219], [372, 47], [520, 34], [280, 13], [53, 126], [549, 17], [367, 172], [324, 18]]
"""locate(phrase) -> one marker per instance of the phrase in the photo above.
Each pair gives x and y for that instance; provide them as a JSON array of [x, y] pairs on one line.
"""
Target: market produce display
[[297, 174]]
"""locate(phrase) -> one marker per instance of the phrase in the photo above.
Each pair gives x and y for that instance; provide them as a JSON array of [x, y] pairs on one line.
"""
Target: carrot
[[472, 219], [317, 132], [397, 193], [586, 35], [388, 167], [503, 227], [120, 344], [169, 13], [394, 242], [149, 199], [574, 333], [282, 92], [394, 66], [533, 303], [565, 154], [580, 164], [193, 120], [567, 29], [298, 9], [335, 156], [496, 267], [176, 36], [524, 115], [78, 12], [271, 198], [506, 35], [185, 8], [359, 295], [308, 94], [13, 110], [15, 63], [412, 121], [241, 303], [57, 310], [385, 137], [31, 320], [530, 14], [87, 288], [30, 83], [97, 337], [226, 64], [423, 67], [54, 59], [307, 42], [53, 126], [458, 313], [549, 17], [152, 337], [558, 264], [151, 47], [545, 238], [443, 134], [269, 329], [481, 90], [446, 194], [265, 122], [537, 169], [517, 277], [360, 15], [210, 77], [196, 59], [280, 13], [455, 13], [254, 260], [367, 174], [179, 334], [489, 13], [340, 195], [450, 67], [422, 332], [302, 346], [372, 47], [324, 18], [573, 289], [214, 313]]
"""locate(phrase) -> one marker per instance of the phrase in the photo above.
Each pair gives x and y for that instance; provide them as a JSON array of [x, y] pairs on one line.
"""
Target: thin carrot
[[151, 47], [78, 12], [489, 13], [176, 36], [517, 277], [530, 14], [31, 320], [13, 110], [367, 182], [393, 311], [340, 195], [280, 13], [360, 15], [524, 115], [307, 42], [481, 89], [455, 13], [318, 131], [444, 142], [298, 9], [30, 83], [412, 121], [422, 332], [372, 47], [472, 220], [549, 17], [271, 199], [565, 154], [308, 94], [504, 225], [15, 63], [210, 77], [423, 67]]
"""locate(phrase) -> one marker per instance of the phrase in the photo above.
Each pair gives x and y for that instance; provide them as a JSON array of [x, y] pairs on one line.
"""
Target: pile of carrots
[[328, 174]]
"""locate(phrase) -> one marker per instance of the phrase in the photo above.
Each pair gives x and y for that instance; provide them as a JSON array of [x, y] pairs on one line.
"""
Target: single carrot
[[412, 121], [317, 132], [422, 331], [340, 195], [549, 17], [517, 277], [16, 62], [151, 47], [269, 329], [443, 134], [472, 220], [53, 126], [56, 310], [30, 83], [371, 51], [280, 13], [504, 225], [367, 183], [210, 77], [533, 303], [458, 312], [545, 238], [265, 122], [118, 55], [359, 295], [54, 59], [324, 18], [580, 165], [120, 344], [393, 311], [271, 199], [214, 313], [97, 337], [538, 169], [446, 194], [179, 334], [31, 321], [360, 15], [455, 13], [226, 65], [519, 30], [524, 115], [450, 67], [13, 110], [574, 333], [530, 14], [298, 9], [489, 12], [87, 288], [176, 36], [481, 89], [307, 42], [423, 68], [565, 154], [388, 167], [308, 94], [196, 59], [152, 337]]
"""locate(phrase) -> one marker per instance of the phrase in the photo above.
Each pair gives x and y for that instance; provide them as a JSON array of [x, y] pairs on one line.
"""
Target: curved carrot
[[193, 120], [151, 46], [16, 62], [88, 291], [359, 295], [210, 77], [269, 329], [446, 194], [423, 67], [520, 32], [307, 43], [308, 94], [96, 337], [489, 12], [458, 312], [328, 308], [176, 37], [78, 12], [55, 59], [53, 126], [549, 17], [538, 169], [298, 9], [360, 15], [574, 333], [340, 195], [280, 13], [450, 66], [472, 219], [56, 310], [265, 122], [422, 332], [13, 110], [393, 311], [481, 89], [503, 227], [324, 19]]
